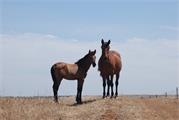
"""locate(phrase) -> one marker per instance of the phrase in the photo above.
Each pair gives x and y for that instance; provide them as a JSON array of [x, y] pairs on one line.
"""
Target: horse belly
[[70, 77]]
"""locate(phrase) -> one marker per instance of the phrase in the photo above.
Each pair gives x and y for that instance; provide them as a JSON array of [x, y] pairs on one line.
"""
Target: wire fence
[[169, 94]]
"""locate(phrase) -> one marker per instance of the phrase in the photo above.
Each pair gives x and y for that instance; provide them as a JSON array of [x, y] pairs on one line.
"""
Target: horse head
[[105, 48], [92, 57]]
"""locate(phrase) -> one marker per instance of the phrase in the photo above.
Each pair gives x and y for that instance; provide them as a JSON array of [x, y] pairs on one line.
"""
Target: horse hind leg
[[116, 83], [56, 85]]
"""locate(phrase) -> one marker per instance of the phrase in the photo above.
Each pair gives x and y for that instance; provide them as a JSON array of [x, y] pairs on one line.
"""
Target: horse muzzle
[[94, 64]]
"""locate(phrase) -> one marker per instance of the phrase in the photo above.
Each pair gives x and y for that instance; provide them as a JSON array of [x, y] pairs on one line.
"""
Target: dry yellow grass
[[93, 108]]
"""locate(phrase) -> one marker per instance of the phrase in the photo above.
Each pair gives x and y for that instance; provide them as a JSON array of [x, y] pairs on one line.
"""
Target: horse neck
[[84, 65], [105, 54], [86, 68]]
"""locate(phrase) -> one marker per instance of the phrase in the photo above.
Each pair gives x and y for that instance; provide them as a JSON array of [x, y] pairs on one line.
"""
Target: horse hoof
[[56, 101], [79, 102], [111, 97], [105, 97]]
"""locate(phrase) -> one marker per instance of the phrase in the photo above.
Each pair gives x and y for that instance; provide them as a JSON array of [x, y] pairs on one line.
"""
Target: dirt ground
[[93, 108]]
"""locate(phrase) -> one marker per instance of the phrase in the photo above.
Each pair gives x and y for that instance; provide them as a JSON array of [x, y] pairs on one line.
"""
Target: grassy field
[[93, 108]]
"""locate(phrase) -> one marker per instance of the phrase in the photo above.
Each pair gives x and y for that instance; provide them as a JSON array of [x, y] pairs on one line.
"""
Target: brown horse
[[109, 65], [76, 71]]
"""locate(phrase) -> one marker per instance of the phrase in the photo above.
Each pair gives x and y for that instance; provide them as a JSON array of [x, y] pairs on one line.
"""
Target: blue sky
[[35, 34], [84, 20]]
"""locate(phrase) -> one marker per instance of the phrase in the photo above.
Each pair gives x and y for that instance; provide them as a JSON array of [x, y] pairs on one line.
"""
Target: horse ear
[[109, 42], [102, 41], [95, 51]]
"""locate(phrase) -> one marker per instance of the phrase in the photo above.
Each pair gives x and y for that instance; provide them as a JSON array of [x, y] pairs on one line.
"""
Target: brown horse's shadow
[[85, 102]]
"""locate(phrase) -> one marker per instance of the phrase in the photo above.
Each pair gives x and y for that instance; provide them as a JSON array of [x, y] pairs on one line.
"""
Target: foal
[[109, 65], [77, 71]]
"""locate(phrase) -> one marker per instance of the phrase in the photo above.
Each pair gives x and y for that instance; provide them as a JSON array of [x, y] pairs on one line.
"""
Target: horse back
[[115, 53], [67, 71]]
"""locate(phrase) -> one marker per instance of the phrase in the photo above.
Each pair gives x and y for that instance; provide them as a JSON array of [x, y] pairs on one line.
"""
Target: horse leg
[[117, 82], [79, 91], [108, 82], [55, 89], [81, 88], [104, 87], [112, 93]]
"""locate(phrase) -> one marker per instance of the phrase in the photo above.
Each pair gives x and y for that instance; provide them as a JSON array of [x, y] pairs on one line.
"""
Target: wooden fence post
[[165, 94], [156, 96], [177, 92]]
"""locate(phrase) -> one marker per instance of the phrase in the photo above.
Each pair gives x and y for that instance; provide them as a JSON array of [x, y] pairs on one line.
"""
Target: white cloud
[[149, 66]]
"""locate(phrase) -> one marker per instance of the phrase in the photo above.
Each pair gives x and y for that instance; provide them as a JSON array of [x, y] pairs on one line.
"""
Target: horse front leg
[[104, 87], [112, 93], [79, 91], [109, 84]]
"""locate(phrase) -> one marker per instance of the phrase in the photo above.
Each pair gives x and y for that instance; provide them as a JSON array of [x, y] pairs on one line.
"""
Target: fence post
[[165, 94], [156, 96], [177, 92]]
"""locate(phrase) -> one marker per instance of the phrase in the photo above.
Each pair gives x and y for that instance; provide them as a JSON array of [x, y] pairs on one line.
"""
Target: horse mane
[[82, 61]]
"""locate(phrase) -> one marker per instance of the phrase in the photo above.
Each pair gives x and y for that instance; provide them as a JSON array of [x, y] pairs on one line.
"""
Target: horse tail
[[53, 73]]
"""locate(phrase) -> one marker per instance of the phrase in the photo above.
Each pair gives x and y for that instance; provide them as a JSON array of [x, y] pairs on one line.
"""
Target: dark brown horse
[[109, 65], [77, 71]]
